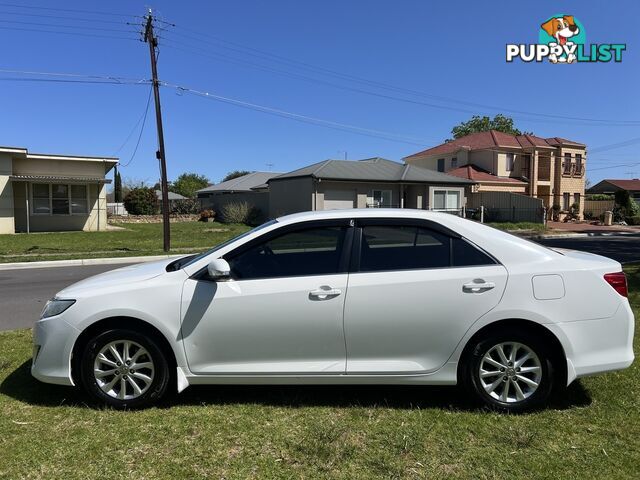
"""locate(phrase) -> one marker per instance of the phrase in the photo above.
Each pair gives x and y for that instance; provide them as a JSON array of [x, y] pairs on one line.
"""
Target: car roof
[[363, 212]]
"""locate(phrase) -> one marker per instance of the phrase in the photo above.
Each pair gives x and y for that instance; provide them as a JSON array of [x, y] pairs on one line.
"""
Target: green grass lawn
[[316, 432], [510, 226], [136, 239]]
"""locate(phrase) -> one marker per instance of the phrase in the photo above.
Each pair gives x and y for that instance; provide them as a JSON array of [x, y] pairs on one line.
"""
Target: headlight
[[55, 306]]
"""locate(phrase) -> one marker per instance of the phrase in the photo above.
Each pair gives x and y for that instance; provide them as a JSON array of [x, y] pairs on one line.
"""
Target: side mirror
[[219, 269]]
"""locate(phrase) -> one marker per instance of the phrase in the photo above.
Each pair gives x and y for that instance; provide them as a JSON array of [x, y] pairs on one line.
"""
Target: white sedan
[[370, 296]]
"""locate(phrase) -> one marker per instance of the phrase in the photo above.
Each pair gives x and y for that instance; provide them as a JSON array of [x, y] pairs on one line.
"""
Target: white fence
[[116, 209]]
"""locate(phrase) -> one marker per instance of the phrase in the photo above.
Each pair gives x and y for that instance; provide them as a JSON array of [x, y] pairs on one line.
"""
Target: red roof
[[495, 139], [473, 172], [624, 184]]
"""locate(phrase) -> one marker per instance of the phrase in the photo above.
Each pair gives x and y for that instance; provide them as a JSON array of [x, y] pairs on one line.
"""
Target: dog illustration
[[562, 29]]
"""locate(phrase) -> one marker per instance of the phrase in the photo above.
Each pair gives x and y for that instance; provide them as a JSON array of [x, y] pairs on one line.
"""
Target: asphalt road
[[23, 293], [623, 248]]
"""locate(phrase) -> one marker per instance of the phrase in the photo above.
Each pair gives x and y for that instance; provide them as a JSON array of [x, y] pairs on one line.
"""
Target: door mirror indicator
[[219, 269]]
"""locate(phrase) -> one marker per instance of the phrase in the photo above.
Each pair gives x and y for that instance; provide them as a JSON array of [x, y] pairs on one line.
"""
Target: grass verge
[[519, 226], [134, 240], [316, 432]]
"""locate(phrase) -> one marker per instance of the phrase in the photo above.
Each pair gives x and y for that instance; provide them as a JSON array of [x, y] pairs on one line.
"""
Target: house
[[48, 192], [372, 182], [251, 188], [552, 169], [611, 186], [173, 198]]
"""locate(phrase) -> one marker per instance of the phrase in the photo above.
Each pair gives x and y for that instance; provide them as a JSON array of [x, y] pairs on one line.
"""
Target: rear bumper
[[598, 346], [53, 341]]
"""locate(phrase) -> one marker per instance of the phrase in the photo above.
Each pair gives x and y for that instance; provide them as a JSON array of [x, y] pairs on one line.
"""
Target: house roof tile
[[477, 174]]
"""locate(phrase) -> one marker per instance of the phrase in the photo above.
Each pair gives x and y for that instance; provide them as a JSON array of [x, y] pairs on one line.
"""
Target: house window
[[509, 166], [381, 198], [576, 198], [446, 199], [59, 199], [567, 164], [454, 163], [578, 164], [441, 164], [566, 198]]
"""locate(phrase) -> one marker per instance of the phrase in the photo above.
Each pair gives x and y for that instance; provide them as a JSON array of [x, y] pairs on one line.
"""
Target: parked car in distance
[[373, 296]]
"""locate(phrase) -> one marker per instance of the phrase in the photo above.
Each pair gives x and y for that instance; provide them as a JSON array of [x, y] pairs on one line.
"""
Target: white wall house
[[44, 192]]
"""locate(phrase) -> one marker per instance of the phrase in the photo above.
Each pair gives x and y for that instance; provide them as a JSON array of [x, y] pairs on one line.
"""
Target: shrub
[[206, 214], [185, 207], [240, 212], [635, 220], [141, 201], [599, 196]]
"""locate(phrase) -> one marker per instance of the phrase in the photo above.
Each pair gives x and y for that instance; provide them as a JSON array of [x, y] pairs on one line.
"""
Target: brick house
[[552, 169]]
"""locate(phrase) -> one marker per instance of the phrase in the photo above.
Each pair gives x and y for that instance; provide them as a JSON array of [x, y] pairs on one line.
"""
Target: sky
[[402, 72]]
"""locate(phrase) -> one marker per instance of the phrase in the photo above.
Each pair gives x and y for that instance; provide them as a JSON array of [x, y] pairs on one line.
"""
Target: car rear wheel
[[510, 371], [124, 369]]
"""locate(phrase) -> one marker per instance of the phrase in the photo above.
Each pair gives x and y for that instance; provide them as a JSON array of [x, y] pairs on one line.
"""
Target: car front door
[[282, 310], [414, 291]]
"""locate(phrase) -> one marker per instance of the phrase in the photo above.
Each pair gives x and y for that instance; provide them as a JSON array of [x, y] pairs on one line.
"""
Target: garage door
[[339, 199]]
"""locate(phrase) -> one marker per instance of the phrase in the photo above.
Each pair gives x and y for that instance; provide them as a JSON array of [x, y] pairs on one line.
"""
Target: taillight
[[619, 282]]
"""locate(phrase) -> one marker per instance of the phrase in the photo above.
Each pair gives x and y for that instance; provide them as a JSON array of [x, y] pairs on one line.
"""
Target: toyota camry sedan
[[374, 296]]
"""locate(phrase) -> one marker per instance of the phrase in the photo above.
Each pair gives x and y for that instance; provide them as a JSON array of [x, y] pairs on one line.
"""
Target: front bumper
[[53, 341], [598, 346]]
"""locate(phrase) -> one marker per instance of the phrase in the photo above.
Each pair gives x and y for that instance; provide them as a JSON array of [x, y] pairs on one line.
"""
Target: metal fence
[[505, 207]]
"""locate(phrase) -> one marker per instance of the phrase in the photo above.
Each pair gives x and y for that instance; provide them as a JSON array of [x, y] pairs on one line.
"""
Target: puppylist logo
[[562, 39]]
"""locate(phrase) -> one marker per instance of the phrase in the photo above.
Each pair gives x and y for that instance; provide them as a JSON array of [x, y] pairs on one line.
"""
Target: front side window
[[59, 199], [307, 251], [441, 164], [454, 163], [79, 199]]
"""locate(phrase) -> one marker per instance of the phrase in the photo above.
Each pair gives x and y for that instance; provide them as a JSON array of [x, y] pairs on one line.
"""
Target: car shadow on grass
[[21, 386]]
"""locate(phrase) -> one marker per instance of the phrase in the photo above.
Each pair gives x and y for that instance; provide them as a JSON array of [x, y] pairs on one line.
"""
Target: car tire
[[124, 369], [509, 380]]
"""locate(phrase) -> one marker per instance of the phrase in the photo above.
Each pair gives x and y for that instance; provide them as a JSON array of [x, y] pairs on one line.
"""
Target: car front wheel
[[124, 369], [510, 371]]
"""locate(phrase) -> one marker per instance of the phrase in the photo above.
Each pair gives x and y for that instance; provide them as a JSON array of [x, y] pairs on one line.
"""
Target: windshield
[[186, 261]]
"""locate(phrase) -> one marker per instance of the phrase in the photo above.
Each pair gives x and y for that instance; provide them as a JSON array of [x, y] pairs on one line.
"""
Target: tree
[[141, 201], [188, 183], [235, 174], [117, 186], [477, 123]]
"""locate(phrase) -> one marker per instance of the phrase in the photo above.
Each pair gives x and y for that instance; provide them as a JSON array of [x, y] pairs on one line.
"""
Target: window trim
[[50, 213]]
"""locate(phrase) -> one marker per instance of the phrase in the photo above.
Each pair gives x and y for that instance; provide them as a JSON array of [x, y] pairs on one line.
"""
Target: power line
[[57, 25], [61, 17], [92, 12], [76, 75], [79, 34], [612, 146], [328, 72], [301, 118], [144, 120]]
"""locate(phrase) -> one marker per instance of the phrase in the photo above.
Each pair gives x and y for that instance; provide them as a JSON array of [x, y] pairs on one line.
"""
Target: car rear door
[[414, 290]]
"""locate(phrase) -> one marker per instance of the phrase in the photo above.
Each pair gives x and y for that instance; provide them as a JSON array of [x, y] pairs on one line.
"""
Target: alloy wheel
[[510, 372], [123, 369]]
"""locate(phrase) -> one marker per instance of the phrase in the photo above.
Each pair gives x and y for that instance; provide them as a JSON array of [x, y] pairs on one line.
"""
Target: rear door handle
[[325, 292], [478, 286]]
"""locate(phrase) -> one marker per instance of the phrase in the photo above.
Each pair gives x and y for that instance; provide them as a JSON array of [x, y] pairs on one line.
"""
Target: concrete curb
[[84, 261]]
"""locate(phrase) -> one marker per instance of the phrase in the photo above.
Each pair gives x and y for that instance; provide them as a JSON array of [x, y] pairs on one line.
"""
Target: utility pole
[[150, 38]]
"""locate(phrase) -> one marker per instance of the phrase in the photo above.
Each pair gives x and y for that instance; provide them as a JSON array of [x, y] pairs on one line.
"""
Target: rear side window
[[402, 247], [465, 254], [310, 251]]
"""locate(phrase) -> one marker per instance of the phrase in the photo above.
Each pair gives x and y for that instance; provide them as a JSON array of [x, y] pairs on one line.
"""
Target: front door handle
[[478, 286], [325, 292]]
